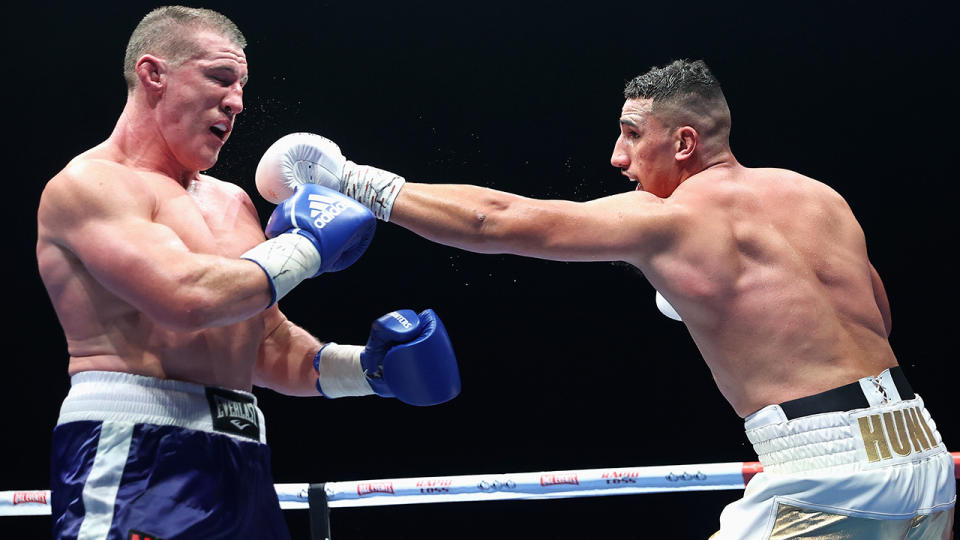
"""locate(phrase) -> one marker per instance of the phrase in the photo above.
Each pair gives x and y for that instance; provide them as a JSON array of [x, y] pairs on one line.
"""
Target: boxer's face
[[645, 149], [201, 99]]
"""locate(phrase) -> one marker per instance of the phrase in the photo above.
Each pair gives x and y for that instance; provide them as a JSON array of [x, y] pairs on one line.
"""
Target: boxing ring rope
[[480, 487]]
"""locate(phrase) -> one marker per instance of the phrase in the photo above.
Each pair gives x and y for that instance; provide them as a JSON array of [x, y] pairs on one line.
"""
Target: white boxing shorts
[[863, 460]]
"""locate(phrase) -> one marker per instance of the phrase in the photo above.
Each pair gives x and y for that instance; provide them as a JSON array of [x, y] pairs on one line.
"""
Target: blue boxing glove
[[316, 230], [340, 228], [410, 357], [407, 356]]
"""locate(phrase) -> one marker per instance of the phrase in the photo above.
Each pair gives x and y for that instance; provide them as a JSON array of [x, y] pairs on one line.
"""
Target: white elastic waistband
[[124, 397], [850, 440]]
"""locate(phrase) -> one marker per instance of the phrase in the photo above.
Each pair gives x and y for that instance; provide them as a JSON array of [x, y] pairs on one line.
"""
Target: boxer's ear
[[151, 71], [687, 139]]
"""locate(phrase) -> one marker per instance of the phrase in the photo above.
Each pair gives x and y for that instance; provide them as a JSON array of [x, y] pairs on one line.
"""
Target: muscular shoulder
[[792, 183], [227, 189], [764, 190], [812, 199], [88, 190]]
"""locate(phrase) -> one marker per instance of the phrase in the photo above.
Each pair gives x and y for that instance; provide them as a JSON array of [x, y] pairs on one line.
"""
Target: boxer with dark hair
[[768, 270]]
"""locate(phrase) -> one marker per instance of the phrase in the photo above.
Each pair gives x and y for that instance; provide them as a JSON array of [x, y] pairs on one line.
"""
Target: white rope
[[481, 487], [484, 487]]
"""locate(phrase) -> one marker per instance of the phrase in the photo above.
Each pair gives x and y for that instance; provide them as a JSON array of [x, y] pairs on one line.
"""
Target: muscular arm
[[285, 361], [615, 228], [629, 226], [99, 213]]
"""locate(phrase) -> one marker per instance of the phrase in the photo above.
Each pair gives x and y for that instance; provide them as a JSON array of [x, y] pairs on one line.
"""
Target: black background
[[564, 366]]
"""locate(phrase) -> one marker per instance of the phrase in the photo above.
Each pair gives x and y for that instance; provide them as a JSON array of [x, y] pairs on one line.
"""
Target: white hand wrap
[[372, 187], [339, 373], [287, 260]]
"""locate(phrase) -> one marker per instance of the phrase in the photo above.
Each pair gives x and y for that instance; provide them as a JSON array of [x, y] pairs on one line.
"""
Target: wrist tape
[[287, 260], [339, 373], [372, 187]]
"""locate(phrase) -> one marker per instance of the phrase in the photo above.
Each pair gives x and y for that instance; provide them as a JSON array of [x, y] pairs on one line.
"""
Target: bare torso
[[780, 296], [104, 332]]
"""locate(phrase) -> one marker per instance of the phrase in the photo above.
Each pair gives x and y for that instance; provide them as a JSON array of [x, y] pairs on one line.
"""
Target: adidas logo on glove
[[326, 208]]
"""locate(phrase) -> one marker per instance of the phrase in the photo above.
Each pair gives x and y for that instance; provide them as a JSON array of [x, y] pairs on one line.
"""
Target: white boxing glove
[[295, 159], [307, 158]]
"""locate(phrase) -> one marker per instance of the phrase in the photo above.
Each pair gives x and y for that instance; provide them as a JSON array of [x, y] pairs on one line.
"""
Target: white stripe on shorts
[[100, 489]]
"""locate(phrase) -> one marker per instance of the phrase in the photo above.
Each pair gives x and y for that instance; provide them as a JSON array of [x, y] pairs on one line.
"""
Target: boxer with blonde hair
[[166, 287]]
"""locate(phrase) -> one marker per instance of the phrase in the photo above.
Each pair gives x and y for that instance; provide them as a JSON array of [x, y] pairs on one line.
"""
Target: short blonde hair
[[168, 31]]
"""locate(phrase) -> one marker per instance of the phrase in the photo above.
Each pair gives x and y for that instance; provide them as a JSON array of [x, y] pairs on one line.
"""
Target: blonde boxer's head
[[169, 32]]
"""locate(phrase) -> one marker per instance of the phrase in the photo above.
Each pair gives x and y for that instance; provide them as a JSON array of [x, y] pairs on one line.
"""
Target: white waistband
[[124, 397], [876, 436]]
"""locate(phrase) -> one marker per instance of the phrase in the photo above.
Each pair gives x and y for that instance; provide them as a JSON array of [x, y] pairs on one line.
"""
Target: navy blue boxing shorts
[[138, 458]]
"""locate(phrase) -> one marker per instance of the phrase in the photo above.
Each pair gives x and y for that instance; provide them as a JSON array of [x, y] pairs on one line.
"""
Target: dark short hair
[[682, 90], [675, 80], [168, 31]]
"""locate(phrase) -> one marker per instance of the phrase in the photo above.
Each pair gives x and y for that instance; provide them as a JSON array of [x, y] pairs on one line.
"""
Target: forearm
[[290, 364], [286, 361], [407, 356], [186, 291], [457, 215], [465, 216], [469, 217], [221, 292]]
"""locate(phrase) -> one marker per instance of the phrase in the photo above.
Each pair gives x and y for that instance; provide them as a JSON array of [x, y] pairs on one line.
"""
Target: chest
[[210, 217]]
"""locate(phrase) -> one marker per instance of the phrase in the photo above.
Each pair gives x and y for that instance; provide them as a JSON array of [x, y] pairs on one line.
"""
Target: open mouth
[[632, 179], [220, 130]]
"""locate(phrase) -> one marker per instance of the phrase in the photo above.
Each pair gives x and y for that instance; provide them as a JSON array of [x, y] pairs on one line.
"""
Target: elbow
[[199, 313], [494, 227], [481, 227], [480, 230], [183, 318], [489, 234], [489, 212], [187, 311]]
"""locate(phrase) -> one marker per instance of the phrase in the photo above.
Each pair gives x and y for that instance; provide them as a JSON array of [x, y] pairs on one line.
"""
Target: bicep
[[621, 227], [106, 220], [134, 258]]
